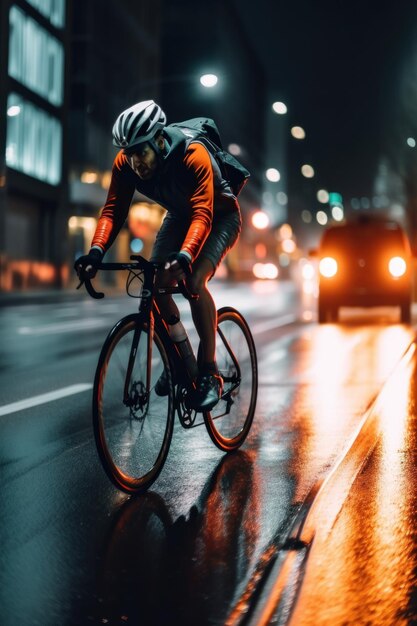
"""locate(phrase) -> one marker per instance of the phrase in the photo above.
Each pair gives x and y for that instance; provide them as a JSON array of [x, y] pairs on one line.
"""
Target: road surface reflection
[[155, 571]]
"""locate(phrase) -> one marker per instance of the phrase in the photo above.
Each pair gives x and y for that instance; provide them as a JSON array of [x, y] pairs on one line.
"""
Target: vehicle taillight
[[328, 267], [397, 266]]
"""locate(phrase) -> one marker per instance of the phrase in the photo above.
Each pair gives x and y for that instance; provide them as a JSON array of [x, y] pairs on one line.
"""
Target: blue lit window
[[36, 59], [53, 10], [34, 141]]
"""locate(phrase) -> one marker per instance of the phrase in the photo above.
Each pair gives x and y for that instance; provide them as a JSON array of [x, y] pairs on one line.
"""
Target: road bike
[[133, 425]]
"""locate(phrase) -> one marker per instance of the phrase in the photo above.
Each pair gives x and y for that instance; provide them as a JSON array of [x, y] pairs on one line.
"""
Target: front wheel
[[132, 425], [228, 424]]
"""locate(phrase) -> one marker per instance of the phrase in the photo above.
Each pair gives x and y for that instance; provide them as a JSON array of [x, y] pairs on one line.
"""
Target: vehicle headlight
[[397, 266], [328, 267]]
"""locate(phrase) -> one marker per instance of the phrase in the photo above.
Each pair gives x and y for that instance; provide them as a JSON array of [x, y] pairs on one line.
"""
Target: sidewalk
[[50, 296]]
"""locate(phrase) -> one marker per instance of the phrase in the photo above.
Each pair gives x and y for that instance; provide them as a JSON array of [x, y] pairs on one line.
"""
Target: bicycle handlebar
[[141, 264], [98, 295]]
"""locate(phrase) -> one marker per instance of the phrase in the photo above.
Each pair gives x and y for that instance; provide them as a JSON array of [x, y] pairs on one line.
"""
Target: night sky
[[335, 64]]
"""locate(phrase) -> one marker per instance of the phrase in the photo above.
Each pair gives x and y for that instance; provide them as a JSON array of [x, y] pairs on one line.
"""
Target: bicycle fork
[[140, 396]]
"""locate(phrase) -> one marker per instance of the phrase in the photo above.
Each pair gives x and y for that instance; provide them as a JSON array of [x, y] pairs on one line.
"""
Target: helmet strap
[[155, 146], [159, 151]]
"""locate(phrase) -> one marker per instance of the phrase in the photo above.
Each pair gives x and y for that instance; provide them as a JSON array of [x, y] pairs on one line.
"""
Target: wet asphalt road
[[76, 551]]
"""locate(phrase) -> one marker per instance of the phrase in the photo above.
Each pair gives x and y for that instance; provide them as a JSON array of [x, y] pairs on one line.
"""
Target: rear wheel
[[228, 424], [132, 425]]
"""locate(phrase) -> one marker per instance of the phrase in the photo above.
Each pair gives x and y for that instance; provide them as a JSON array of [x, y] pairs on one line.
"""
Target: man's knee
[[202, 272], [197, 282]]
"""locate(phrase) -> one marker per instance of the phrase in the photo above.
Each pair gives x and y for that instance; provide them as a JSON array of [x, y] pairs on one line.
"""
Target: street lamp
[[322, 218], [307, 171], [323, 196], [234, 149], [273, 175], [260, 220], [13, 110], [279, 108], [298, 132], [209, 80]]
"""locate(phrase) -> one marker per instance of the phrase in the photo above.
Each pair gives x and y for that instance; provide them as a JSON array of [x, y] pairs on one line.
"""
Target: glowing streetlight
[[280, 108], [272, 175], [13, 110], [321, 217], [411, 142], [289, 246], [307, 171], [337, 213], [209, 80], [234, 149], [285, 231], [323, 196], [298, 132], [260, 220]]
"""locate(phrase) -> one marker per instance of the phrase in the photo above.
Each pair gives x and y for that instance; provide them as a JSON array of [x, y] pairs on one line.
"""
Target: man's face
[[143, 161]]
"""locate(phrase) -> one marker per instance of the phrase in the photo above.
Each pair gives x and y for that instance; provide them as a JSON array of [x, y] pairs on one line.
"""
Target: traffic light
[[335, 199]]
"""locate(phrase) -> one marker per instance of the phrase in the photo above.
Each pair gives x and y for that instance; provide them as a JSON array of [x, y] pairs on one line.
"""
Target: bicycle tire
[[132, 441], [229, 423]]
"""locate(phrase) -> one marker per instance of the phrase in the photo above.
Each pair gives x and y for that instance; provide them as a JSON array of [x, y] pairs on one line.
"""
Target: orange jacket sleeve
[[198, 163], [116, 208]]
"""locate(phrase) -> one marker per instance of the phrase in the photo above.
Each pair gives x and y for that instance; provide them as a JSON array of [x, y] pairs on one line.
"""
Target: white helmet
[[138, 124]]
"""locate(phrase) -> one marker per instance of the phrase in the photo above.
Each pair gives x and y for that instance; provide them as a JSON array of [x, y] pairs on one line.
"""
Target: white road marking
[[44, 398], [63, 327]]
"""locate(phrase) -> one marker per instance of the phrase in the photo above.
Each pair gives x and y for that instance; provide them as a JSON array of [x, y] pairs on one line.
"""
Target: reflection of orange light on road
[[327, 396], [391, 343], [393, 413], [372, 538]]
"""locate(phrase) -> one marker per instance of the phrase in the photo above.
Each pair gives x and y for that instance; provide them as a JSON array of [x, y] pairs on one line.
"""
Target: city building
[[33, 142], [66, 72]]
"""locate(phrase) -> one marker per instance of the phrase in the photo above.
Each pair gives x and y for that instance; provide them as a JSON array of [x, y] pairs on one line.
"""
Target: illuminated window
[[34, 141], [53, 10], [36, 59]]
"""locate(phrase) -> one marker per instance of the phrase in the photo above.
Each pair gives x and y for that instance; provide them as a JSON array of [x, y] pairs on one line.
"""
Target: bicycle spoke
[[229, 422], [133, 432]]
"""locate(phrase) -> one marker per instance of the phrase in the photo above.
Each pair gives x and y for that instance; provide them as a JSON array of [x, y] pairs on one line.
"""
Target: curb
[[272, 593]]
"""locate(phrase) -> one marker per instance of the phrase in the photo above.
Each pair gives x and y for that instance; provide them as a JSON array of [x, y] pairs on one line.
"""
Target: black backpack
[[205, 130]]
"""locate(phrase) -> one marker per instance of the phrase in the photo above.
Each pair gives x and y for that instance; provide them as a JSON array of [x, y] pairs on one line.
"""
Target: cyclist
[[202, 223]]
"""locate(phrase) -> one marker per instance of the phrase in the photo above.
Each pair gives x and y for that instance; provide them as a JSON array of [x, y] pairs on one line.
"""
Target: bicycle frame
[[148, 316], [137, 463]]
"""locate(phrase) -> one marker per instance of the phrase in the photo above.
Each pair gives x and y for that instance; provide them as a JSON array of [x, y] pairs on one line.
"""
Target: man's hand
[[179, 266], [86, 265]]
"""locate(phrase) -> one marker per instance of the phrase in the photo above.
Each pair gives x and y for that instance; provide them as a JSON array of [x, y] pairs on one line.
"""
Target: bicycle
[[132, 424]]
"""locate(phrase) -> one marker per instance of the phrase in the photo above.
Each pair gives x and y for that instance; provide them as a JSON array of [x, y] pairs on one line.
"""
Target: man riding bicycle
[[203, 222]]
